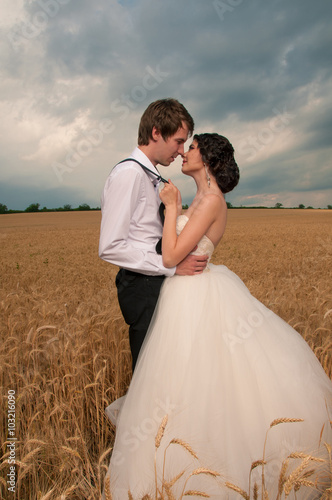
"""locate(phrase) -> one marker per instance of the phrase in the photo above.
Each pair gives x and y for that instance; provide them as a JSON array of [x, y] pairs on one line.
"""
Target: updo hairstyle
[[218, 153]]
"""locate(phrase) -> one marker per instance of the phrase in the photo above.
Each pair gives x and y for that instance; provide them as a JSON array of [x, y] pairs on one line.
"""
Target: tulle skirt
[[223, 395]]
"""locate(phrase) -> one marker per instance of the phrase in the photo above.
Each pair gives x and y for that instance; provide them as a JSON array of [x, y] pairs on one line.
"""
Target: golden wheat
[[233, 487], [184, 445], [108, 495], [196, 493], [64, 345], [161, 431], [278, 421]]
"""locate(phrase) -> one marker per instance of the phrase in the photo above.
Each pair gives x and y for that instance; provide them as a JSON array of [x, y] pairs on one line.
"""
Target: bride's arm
[[176, 248], [179, 204]]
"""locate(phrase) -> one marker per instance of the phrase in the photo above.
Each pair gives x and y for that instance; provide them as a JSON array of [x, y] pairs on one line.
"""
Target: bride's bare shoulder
[[209, 203], [213, 201]]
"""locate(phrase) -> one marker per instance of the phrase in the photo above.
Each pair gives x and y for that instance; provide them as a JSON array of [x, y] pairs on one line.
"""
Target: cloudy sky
[[76, 76]]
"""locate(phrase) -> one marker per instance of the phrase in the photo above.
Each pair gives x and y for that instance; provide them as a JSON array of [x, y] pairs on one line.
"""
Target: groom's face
[[167, 150]]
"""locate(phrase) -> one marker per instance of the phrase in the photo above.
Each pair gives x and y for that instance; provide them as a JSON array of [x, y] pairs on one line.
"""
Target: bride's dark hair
[[218, 153]]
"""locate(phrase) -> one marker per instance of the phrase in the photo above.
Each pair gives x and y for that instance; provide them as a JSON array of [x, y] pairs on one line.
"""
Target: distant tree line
[[301, 206], [35, 207], [278, 206]]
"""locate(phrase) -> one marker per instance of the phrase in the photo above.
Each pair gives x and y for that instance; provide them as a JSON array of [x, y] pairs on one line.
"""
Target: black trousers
[[137, 295]]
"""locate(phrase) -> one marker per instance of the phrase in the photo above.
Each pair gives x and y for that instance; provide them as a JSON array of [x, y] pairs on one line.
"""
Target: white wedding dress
[[223, 367]]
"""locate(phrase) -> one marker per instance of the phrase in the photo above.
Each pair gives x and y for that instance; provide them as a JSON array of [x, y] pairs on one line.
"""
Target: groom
[[131, 225]]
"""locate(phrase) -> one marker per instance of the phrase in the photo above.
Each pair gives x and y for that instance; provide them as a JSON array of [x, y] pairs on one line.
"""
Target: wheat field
[[64, 347]]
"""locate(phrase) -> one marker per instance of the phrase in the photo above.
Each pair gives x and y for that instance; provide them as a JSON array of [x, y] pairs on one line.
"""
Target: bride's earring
[[207, 175]]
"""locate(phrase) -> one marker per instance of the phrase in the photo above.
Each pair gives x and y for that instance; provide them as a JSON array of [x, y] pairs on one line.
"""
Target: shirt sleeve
[[120, 197]]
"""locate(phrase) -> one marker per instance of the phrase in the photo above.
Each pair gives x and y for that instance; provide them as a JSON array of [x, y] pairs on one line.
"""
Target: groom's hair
[[167, 115]]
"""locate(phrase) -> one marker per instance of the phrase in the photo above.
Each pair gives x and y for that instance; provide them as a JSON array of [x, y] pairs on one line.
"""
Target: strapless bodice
[[204, 247]]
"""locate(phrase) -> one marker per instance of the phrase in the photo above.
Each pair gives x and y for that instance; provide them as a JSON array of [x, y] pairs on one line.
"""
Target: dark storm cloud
[[235, 65]]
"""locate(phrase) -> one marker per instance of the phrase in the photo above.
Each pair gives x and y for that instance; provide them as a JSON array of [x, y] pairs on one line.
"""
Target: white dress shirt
[[130, 224]]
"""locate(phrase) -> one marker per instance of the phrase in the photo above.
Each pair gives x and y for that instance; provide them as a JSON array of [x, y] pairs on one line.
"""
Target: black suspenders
[[159, 177]]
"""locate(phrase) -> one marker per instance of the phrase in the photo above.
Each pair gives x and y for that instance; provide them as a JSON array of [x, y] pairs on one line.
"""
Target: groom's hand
[[192, 264]]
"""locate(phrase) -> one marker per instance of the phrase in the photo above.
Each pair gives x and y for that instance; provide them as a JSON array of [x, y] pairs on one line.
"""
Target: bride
[[227, 401]]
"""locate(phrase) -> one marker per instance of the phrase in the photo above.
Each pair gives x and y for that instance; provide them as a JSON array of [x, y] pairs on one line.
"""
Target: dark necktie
[[162, 217], [162, 212]]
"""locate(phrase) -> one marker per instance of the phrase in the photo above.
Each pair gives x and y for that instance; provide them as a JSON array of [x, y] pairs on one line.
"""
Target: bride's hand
[[169, 195]]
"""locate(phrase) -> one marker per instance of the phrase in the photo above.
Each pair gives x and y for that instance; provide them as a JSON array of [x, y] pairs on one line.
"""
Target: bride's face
[[192, 159]]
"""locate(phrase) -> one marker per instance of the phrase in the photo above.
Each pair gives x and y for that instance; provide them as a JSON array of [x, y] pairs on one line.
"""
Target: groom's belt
[[126, 272]]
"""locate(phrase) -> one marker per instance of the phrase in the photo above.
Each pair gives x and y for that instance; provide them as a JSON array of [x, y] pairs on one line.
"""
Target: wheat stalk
[[304, 482], [196, 472], [161, 431], [293, 477], [108, 495], [278, 421], [184, 445], [204, 470], [168, 491], [282, 476], [196, 493], [175, 479], [255, 492], [275, 422], [158, 439], [255, 464], [48, 495], [233, 487]]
